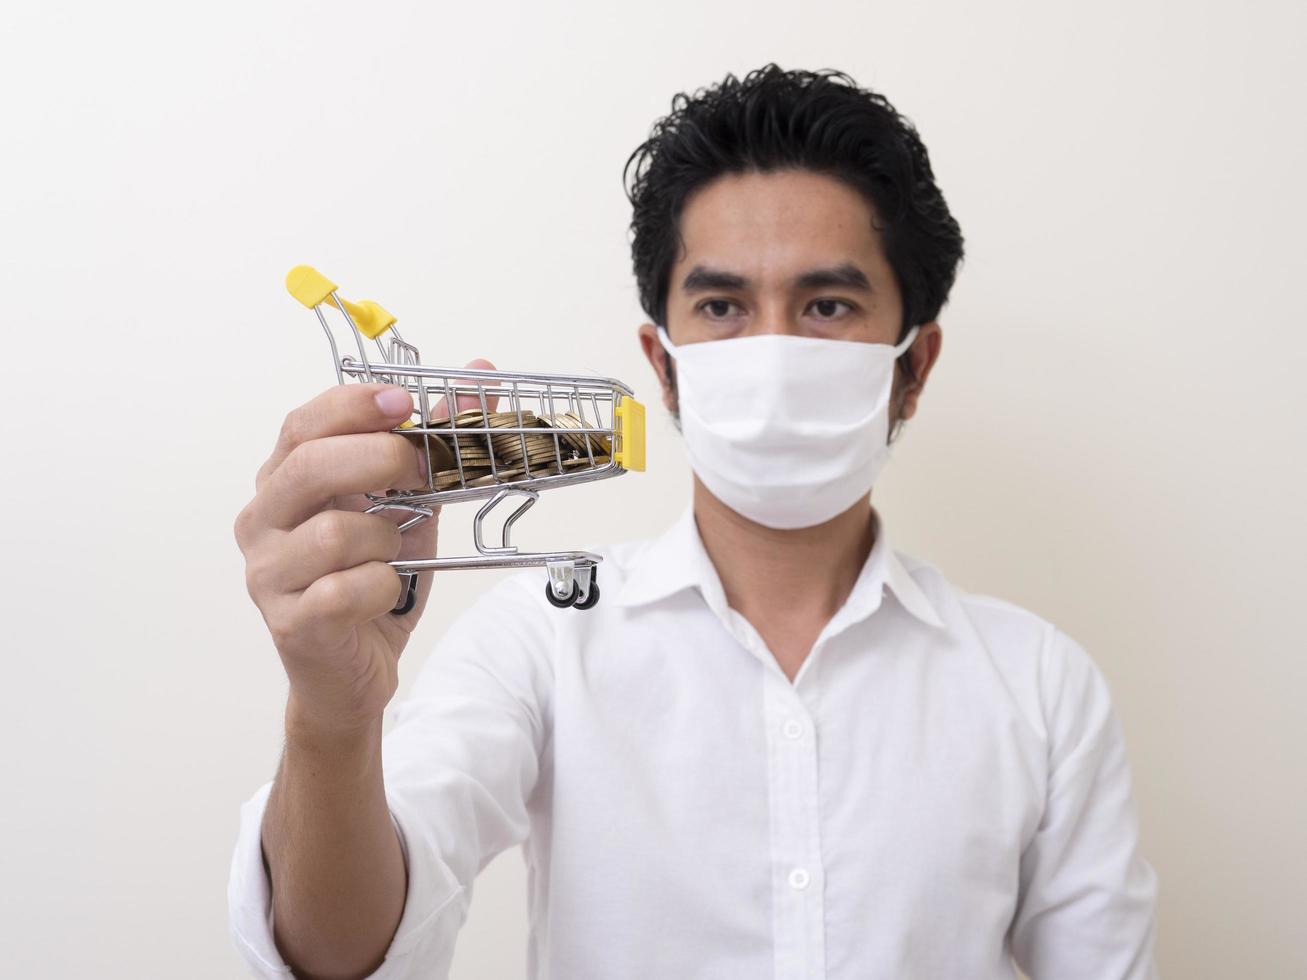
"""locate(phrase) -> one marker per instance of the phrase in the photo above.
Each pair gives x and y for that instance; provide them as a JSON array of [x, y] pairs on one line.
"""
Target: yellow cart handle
[[629, 451], [312, 288]]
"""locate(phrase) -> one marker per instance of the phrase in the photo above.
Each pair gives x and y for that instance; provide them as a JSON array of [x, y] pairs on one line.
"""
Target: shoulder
[[1001, 623], [1033, 654], [991, 616]]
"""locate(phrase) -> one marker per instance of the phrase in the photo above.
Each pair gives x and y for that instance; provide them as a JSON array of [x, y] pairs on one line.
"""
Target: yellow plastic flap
[[308, 285], [312, 288], [369, 317], [629, 452]]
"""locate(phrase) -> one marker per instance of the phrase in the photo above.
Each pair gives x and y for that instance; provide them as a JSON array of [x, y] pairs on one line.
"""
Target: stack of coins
[[551, 450], [577, 440]]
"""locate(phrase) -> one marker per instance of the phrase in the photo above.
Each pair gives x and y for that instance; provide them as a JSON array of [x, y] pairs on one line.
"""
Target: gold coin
[[474, 418], [489, 479], [530, 424], [482, 477], [516, 443], [450, 479], [536, 454], [468, 418], [527, 420], [536, 462], [442, 422], [570, 420], [535, 444], [467, 444], [505, 421], [469, 455], [441, 456]]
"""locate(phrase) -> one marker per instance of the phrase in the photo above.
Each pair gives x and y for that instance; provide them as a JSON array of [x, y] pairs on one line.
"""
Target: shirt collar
[[677, 560]]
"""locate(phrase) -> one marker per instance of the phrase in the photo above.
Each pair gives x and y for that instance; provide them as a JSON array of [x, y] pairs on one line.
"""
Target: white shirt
[[942, 788]]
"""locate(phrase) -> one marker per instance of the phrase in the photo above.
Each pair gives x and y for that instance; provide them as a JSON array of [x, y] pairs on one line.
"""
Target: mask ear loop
[[669, 353], [902, 347], [899, 350], [665, 340]]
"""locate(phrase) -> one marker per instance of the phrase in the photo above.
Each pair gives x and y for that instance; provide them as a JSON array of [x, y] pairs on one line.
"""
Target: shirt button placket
[[798, 918]]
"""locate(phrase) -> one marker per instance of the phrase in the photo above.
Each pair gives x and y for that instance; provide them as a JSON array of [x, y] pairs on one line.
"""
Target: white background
[[1113, 437]]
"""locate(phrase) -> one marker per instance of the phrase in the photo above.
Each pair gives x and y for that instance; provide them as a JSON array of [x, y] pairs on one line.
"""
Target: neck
[[764, 571]]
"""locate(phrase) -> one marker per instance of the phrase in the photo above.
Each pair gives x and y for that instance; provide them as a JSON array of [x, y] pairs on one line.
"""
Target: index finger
[[340, 410]]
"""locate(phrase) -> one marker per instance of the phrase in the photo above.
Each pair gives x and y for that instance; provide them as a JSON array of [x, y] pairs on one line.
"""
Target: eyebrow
[[848, 275], [702, 278]]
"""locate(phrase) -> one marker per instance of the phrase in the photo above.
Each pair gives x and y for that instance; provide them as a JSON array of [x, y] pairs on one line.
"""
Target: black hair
[[815, 120]]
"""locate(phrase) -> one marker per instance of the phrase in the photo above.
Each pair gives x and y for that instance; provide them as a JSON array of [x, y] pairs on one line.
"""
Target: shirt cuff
[[433, 899]]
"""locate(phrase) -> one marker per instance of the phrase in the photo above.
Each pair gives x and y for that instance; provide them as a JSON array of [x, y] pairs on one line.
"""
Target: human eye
[[717, 309], [826, 308]]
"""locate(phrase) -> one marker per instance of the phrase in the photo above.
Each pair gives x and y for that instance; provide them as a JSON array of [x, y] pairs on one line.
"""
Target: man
[[777, 747]]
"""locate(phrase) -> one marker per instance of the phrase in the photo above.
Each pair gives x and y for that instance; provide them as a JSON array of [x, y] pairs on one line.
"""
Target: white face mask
[[788, 431]]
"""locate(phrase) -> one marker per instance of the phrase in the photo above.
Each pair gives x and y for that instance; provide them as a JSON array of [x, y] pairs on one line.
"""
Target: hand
[[316, 564]]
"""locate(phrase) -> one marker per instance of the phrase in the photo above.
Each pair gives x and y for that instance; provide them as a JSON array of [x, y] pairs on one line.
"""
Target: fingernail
[[393, 401]]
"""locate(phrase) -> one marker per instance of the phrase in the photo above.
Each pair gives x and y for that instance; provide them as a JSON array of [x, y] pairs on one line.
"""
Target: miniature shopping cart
[[524, 433]]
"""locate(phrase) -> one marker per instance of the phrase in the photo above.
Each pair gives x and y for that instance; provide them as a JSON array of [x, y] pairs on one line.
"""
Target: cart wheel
[[410, 597], [592, 597], [560, 603]]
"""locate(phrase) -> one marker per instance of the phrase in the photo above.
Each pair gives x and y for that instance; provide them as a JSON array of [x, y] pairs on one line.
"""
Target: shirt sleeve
[[1087, 908], [460, 764]]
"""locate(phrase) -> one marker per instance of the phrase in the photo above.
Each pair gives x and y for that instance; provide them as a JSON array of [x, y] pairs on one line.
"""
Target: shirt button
[[799, 878], [793, 728]]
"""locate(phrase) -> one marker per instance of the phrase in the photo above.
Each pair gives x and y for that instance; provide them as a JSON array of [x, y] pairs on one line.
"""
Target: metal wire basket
[[527, 432]]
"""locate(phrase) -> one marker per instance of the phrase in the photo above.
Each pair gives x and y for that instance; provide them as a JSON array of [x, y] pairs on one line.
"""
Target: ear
[[657, 357], [922, 355]]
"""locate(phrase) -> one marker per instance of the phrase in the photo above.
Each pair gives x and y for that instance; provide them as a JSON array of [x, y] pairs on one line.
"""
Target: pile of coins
[[552, 450]]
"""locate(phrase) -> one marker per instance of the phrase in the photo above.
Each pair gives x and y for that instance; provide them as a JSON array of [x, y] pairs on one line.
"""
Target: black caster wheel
[[560, 603], [593, 596], [410, 597]]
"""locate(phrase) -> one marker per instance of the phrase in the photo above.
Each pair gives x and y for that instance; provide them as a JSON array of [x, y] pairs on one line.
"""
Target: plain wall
[[1113, 437]]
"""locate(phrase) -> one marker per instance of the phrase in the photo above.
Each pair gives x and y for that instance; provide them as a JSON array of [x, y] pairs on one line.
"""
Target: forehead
[[772, 225]]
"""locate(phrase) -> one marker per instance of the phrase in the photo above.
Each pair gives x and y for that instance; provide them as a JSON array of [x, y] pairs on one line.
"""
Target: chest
[[902, 764]]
